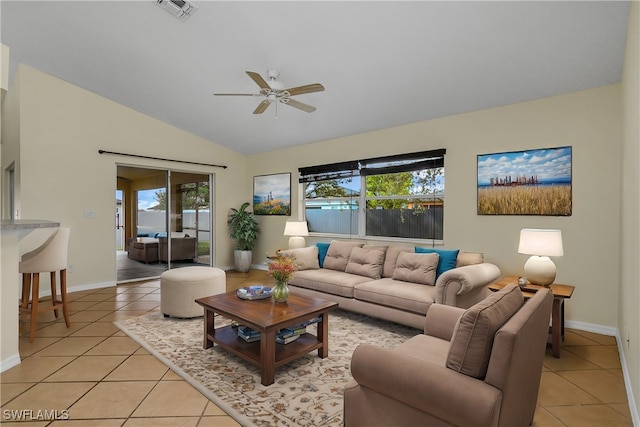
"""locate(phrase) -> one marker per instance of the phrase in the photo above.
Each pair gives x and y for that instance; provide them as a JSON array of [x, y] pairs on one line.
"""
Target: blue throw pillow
[[447, 261], [322, 252]]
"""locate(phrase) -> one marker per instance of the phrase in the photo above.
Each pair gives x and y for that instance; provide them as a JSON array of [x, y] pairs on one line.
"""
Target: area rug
[[306, 392]]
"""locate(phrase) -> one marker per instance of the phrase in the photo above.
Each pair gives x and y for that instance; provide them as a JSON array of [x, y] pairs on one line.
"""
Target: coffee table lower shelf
[[227, 338]]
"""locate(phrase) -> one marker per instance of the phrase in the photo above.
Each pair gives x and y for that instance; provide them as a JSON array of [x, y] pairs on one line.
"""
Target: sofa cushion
[[366, 262], [416, 268], [469, 258], [473, 337], [391, 257], [322, 252], [447, 261], [404, 296], [328, 281], [305, 258], [338, 254]]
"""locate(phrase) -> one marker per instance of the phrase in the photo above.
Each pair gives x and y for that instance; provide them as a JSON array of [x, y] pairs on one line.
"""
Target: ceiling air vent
[[181, 9]]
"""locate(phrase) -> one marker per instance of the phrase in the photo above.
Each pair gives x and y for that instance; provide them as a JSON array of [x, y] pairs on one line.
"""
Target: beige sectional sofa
[[391, 282]]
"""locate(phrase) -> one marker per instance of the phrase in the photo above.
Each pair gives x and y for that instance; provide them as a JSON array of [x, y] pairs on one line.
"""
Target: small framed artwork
[[530, 182], [272, 194]]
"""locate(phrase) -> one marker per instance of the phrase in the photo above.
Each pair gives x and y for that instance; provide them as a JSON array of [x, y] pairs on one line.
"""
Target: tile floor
[[94, 375]]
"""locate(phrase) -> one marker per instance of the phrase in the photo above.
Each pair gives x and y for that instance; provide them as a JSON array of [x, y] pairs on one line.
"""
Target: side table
[[560, 294]]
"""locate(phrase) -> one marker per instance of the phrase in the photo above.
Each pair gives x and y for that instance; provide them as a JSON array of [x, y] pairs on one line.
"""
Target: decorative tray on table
[[254, 292]]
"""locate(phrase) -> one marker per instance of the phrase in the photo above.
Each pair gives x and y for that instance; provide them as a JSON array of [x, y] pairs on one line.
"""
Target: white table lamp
[[296, 229], [540, 244]]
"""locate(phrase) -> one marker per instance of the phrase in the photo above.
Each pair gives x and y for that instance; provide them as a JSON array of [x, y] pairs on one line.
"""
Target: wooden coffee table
[[267, 317]]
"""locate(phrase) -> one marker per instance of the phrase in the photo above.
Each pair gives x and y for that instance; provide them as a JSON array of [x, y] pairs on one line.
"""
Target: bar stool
[[50, 257]]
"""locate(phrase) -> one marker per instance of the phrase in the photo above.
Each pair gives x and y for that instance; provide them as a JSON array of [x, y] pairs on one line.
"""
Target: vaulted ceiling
[[382, 63]]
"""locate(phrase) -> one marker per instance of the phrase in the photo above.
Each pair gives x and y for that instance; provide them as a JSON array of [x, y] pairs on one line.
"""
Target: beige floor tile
[[76, 306], [171, 376], [87, 368], [162, 422], [555, 390], [122, 315], [25, 424], [567, 362], [70, 346], [27, 348], [59, 329], [10, 390], [115, 422], [92, 298], [126, 297], [114, 346], [34, 369], [109, 305], [138, 305], [604, 385], [111, 400], [218, 421], [89, 315], [602, 356], [97, 329], [213, 409], [150, 298], [172, 398], [590, 416], [142, 368], [598, 338], [623, 408], [50, 396]]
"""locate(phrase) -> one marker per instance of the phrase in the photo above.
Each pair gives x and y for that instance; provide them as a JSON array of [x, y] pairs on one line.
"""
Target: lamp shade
[[534, 241], [296, 228]]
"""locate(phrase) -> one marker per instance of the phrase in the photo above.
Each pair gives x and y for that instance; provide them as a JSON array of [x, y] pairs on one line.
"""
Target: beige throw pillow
[[305, 258], [391, 257], [472, 340], [416, 268], [338, 254], [366, 262]]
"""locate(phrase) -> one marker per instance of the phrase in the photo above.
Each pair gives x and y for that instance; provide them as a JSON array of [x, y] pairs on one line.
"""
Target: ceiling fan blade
[[237, 94], [262, 106], [299, 90], [258, 79], [300, 105]]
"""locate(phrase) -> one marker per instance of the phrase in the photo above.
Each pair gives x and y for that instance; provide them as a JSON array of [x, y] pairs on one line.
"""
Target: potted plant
[[244, 228]]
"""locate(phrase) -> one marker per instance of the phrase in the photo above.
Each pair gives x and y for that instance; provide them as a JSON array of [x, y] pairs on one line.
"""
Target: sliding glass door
[[166, 220]]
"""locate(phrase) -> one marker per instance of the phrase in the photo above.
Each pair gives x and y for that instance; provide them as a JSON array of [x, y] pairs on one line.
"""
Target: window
[[397, 196]]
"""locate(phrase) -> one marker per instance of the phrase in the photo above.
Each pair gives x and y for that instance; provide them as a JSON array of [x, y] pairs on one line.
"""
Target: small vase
[[280, 291]]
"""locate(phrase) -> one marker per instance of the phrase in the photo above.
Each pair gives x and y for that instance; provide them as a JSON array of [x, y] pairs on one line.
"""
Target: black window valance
[[374, 166]]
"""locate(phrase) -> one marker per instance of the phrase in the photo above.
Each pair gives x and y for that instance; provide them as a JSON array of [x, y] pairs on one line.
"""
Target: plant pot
[[242, 260]]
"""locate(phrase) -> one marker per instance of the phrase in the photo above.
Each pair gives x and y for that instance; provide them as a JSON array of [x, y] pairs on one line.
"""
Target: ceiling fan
[[273, 91]]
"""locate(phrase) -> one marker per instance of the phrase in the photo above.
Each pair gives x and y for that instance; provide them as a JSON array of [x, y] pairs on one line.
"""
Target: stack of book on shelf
[[283, 336], [248, 334]]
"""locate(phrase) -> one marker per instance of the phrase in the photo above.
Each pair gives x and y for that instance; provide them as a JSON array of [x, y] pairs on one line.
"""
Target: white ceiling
[[383, 63]]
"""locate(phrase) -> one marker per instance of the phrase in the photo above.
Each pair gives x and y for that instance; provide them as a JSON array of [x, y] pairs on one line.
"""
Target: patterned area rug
[[306, 392]]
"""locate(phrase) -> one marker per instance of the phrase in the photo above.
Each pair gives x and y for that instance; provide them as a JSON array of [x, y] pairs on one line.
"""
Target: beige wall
[[589, 121], [62, 127], [628, 317]]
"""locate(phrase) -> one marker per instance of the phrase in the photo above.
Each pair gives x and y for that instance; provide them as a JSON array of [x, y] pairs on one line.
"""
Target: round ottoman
[[180, 287]]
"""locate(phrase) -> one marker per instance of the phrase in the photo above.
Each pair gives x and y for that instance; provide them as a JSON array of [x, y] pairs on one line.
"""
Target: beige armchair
[[475, 367]]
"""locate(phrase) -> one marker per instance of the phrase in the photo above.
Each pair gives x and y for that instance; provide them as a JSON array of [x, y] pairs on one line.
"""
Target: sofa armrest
[[470, 279], [436, 390], [441, 320]]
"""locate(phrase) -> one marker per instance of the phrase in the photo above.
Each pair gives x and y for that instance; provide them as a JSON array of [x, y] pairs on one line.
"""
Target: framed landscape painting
[[272, 194], [531, 182]]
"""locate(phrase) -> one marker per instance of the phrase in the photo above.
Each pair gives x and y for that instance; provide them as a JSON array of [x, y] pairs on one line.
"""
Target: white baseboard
[[591, 327], [9, 362]]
